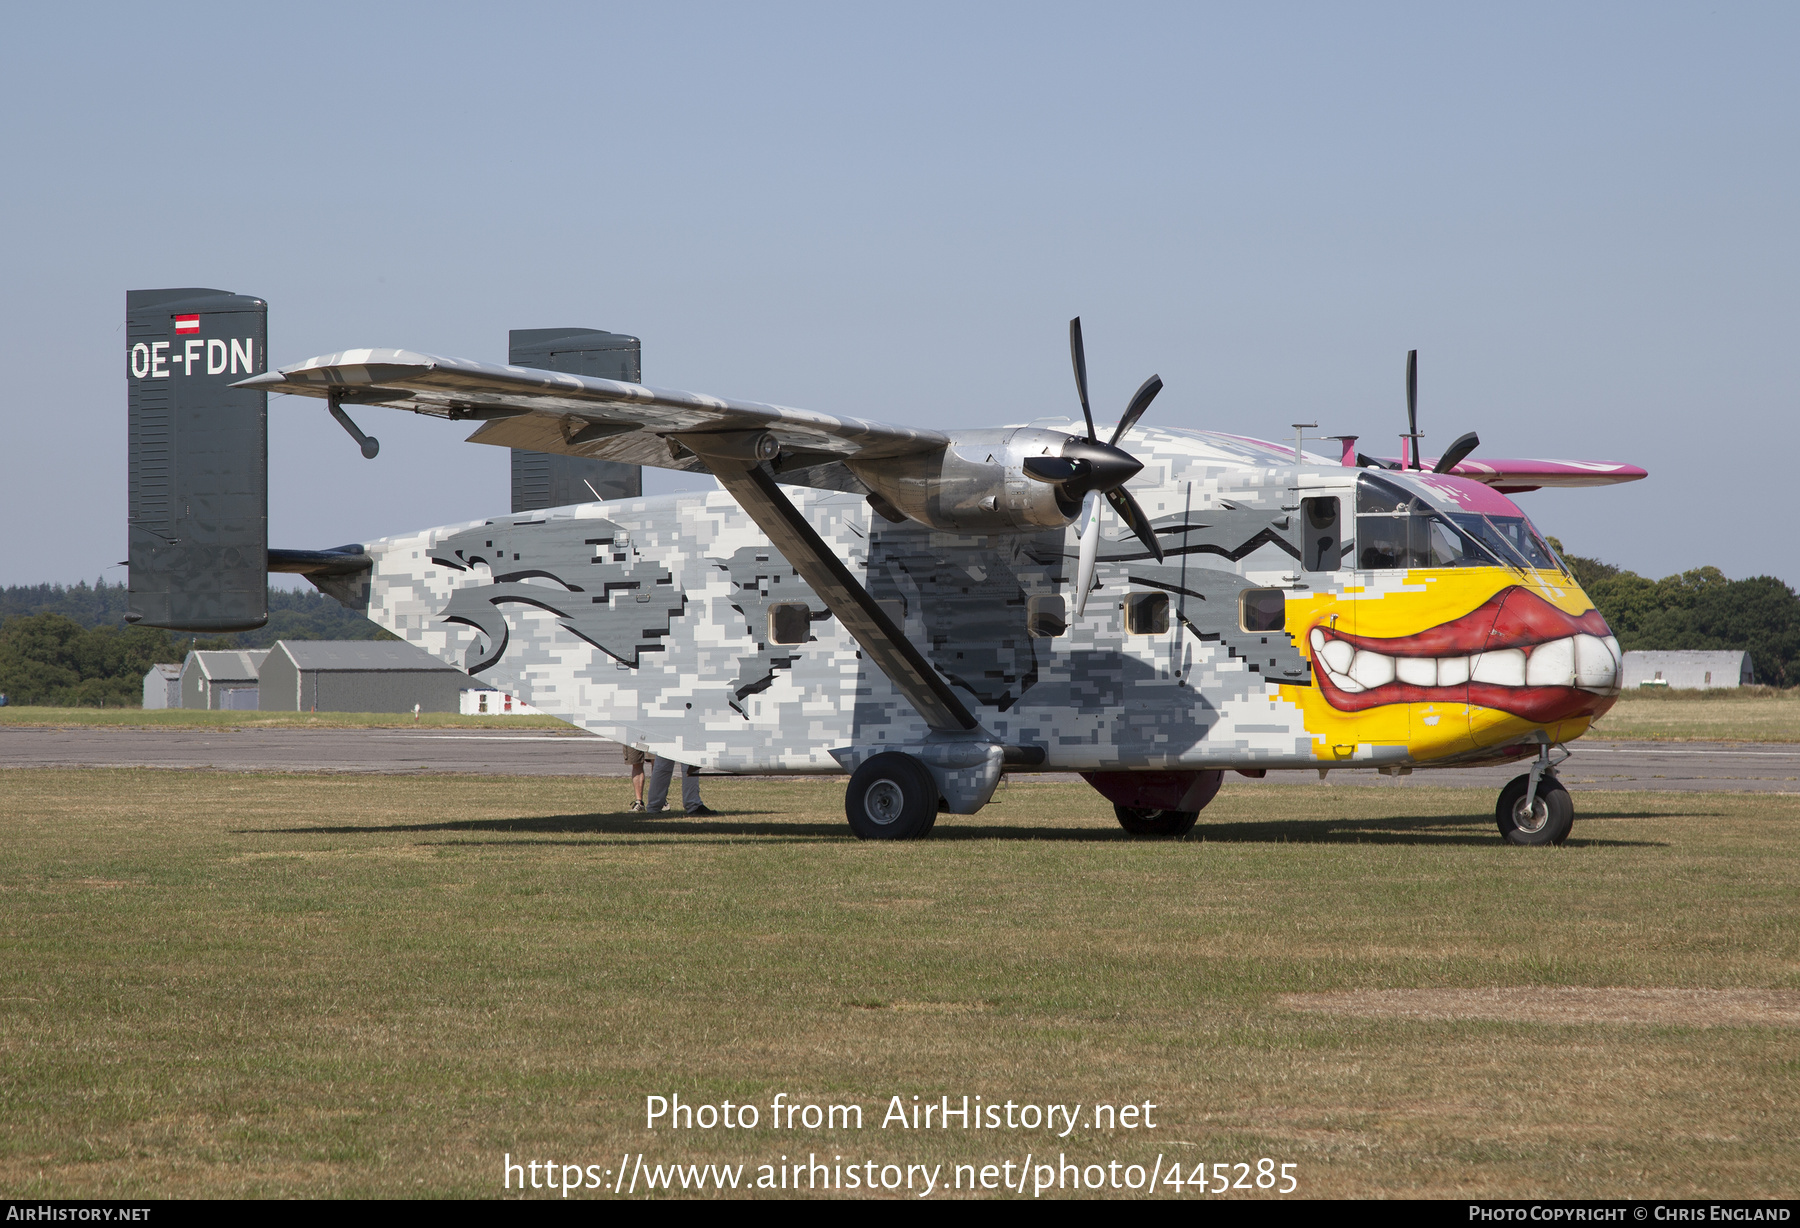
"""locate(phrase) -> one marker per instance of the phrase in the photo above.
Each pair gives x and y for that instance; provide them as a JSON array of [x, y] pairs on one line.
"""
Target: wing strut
[[733, 458]]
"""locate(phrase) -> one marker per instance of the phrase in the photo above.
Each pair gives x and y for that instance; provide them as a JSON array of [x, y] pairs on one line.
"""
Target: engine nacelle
[[977, 484]]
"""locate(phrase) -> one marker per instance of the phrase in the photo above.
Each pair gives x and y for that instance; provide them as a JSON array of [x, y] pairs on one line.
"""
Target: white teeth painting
[[1586, 661]]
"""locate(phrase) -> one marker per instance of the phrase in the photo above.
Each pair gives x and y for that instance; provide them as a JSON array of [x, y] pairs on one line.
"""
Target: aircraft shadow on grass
[[1424, 830]]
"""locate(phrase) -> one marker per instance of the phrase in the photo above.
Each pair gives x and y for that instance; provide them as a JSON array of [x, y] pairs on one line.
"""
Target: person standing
[[634, 759], [660, 776]]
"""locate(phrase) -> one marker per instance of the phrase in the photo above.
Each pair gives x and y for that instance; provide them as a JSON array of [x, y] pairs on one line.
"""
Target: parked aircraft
[[1149, 606]]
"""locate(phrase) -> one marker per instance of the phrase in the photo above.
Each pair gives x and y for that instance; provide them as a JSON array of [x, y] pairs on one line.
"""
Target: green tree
[[1698, 609], [52, 659]]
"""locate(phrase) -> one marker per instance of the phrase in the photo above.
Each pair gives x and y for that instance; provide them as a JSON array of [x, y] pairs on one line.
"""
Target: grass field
[[182, 718], [1753, 714], [217, 984]]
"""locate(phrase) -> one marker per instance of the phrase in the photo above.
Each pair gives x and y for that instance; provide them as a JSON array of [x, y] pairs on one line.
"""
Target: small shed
[[162, 686], [358, 676], [1688, 671], [221, 680]]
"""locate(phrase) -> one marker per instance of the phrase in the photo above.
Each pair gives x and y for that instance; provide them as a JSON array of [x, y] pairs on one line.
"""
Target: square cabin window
[[789, 623], [1262, 609], [1046, 617], [1147, 613]]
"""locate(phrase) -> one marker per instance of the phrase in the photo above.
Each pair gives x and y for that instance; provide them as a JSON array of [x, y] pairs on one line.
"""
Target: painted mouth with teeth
[[1516, 653]]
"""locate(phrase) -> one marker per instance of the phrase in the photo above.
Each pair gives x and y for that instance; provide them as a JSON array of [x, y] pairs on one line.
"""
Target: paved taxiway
[[1703, 766]]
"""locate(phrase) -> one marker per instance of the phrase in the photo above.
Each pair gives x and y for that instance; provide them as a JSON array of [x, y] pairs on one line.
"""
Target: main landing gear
[[891, 797], [1535, 808], [1156, 805], [1169, 824]]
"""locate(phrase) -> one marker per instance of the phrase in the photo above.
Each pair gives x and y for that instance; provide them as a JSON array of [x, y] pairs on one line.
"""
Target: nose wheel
[[1543, 817]]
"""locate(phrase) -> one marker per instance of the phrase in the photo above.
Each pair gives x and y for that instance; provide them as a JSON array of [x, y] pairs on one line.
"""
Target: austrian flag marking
[[187, 324]]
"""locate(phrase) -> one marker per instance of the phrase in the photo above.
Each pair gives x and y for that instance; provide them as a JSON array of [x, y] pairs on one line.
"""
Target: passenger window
[[1262, 609], [1147, 613], [789, 623], [1323, 538], [1046, 617]]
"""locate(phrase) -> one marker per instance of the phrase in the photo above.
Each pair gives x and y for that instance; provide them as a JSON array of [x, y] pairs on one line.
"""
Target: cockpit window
[[1380, 497], [1396, 528], [1512, 538]]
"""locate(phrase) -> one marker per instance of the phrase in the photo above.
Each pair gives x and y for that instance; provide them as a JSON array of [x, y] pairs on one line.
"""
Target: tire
[[1167, 824], [891, 797], [1553, 812]]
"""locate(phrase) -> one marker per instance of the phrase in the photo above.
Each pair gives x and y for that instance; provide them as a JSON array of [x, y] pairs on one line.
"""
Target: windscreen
[[1396, 527], [1510, 537]]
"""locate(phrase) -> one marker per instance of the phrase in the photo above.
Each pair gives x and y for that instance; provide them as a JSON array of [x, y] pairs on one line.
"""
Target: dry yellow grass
[[1757, 715], [223, 984]]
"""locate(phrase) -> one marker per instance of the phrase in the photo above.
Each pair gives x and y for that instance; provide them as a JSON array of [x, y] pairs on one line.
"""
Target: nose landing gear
[[1535, 808]]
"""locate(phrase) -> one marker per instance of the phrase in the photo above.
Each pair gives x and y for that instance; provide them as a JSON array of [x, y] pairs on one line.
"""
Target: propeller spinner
[[1089, 469]]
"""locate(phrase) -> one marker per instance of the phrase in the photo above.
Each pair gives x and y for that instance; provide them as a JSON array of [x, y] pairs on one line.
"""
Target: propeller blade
[[1052, 468], [1140, 401], [1089, 528], [1078, 355], [1412, 403], [1133, 515], [1452, 456]]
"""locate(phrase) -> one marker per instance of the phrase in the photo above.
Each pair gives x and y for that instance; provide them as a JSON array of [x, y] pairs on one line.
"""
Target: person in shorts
[[634, 759]]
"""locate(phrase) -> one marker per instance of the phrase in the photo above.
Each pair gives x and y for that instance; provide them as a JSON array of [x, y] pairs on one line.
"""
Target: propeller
[[1454, 454], [1412, 407], [1088, 469]]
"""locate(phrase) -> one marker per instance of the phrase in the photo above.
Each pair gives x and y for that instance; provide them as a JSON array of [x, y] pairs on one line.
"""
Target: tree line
[[1698, 609], [69, 646]]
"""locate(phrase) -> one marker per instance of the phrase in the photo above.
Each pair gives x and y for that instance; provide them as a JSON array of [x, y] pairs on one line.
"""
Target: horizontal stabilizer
[[339, 561]]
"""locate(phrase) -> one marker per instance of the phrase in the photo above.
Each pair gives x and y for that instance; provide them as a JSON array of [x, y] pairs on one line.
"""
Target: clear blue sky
[[1583, 216]]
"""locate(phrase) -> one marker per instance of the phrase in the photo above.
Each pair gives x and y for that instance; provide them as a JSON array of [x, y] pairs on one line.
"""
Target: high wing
[[1518, 476], [548, 411]]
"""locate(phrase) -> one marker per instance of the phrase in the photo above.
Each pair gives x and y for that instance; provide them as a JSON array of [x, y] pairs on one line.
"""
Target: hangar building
[[221, 680], [1687, 670], [359, 676]]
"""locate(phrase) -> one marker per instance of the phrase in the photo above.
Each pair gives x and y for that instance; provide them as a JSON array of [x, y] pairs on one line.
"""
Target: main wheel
[[1548, 821], [1166, 823], [891, 797]]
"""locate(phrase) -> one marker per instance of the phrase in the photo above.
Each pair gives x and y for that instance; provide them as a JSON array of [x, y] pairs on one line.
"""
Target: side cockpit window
[[1396, 528]]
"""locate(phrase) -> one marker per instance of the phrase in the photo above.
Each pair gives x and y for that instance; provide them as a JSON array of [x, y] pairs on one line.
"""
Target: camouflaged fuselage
[[648, 621]]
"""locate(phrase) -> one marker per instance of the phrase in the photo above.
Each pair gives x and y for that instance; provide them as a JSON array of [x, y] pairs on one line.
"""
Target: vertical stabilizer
[[199, 459], [543, 479]]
